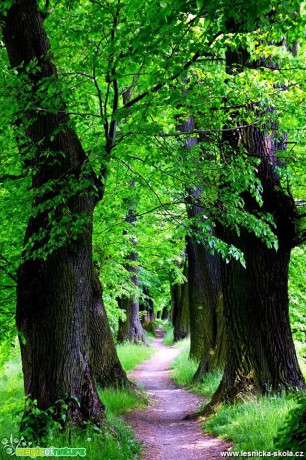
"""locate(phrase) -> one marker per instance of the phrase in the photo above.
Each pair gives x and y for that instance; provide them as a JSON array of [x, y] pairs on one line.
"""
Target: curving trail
[[161, 427]]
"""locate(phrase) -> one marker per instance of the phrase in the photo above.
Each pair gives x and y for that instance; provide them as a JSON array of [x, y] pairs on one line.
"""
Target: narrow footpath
[[161, 426]]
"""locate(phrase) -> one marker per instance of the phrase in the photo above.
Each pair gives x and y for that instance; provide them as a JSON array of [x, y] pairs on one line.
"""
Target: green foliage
[[292, 434], [297, 296], [122, 49], [252, 425], [11, 397], [40, 424], [132, 354]]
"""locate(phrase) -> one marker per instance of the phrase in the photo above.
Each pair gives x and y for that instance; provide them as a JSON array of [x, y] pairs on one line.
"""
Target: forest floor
[[161, 426]]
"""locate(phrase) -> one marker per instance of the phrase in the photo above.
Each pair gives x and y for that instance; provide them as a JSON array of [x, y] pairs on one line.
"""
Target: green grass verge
[[113, 444], [183, 367], [250, 425], [169, 337], [131, 355]]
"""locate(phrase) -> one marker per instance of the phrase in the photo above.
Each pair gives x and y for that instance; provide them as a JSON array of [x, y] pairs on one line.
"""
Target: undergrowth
[[114, 443], [252, 425]]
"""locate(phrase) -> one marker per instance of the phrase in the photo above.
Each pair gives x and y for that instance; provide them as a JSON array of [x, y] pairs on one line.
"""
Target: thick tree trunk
[[54, 292], [180, 308], [261, 354], [207, 337], [105, 363]]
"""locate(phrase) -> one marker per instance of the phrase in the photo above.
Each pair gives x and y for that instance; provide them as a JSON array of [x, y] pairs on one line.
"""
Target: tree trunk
[[147, 311], [207, 338], [54, 291], [261, 354], [131, 329], [105, 363], [180, 307], [165, 313]]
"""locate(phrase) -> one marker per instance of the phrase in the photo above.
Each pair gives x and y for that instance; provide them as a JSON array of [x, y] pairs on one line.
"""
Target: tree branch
[[160, 85]]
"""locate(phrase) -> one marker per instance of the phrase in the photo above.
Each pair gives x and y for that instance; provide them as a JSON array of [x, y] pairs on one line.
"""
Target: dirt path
[[161, 426]]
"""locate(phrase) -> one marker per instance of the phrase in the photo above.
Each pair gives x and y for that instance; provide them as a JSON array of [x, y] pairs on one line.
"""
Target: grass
[[250, 425], [132, 354], [169, 337], [119, 401], [117, 443], [183, 367]]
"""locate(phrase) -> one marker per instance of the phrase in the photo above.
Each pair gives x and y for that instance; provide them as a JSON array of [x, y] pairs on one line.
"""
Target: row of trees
[[167, 130]]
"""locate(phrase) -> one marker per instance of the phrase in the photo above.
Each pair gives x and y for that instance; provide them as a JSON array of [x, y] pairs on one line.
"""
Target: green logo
[[22, 448]]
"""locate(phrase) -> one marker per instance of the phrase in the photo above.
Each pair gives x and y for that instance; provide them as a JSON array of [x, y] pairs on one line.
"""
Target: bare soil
[[161, 426]]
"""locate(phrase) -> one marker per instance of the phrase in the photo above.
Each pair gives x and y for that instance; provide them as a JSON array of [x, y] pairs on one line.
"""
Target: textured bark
[[53, 295], [180, 308], [105, 363], [261, 354], [131, 329], [207, 338]]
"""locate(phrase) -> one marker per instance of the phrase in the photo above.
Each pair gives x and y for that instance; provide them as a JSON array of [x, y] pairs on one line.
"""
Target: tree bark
[[105, 363], [54, 293], [180, 308], [165, 313], [261, 354], [207, 336], [146, 309]]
